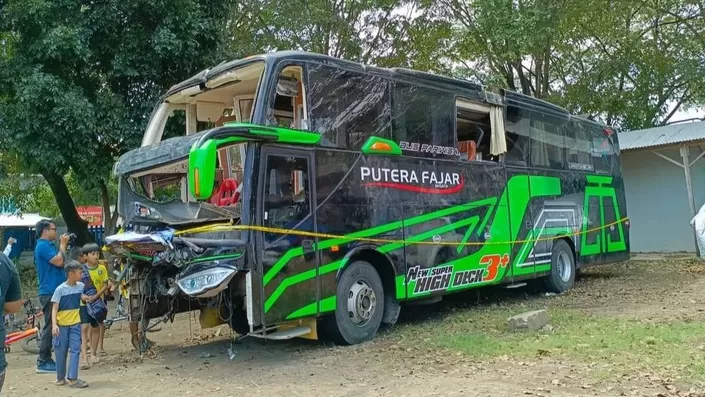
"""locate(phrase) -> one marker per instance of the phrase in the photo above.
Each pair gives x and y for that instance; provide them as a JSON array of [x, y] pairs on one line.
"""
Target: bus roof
[[415, 76], [273, 57]]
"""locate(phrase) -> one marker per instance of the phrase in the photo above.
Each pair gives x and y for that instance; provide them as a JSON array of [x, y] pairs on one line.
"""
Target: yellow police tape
[[231, 227]]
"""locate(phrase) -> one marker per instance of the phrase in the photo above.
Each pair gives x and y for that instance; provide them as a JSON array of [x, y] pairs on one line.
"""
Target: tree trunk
[[74, 222], [109, 219]]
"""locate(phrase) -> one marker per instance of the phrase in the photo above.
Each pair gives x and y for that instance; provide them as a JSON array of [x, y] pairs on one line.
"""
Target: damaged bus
[[307, 196]]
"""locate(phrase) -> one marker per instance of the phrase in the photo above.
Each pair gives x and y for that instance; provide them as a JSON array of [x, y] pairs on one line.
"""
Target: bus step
[[517, 285], [286, 334]]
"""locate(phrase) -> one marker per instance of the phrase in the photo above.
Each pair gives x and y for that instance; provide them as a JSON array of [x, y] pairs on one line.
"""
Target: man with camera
[[49, 263]]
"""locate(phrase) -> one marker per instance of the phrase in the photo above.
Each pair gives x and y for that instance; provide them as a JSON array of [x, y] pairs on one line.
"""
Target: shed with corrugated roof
[[664, 181]]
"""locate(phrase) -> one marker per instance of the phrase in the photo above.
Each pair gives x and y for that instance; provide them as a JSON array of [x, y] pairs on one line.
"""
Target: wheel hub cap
[[564, 267], [362, 303]]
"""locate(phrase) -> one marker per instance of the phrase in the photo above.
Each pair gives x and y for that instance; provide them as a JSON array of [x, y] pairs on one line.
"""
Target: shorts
[[86, 318]]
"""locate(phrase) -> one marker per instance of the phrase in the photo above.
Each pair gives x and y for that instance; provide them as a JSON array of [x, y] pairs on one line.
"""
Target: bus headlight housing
[[206, 283]]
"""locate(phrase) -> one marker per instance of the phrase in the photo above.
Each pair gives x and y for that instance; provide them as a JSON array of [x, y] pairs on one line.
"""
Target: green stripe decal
[[215, 258], [401, 291], [308, 310], [142, 257], [499, 212], [326, 305], [375, 231], [333, 266]]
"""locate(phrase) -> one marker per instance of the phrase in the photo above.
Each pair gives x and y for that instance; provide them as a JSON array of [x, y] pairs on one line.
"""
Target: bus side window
[[286, 195], [517, 129], [604, 150], [423, 116], [286, 102], [547, 137], [579, 146], [347, 107]]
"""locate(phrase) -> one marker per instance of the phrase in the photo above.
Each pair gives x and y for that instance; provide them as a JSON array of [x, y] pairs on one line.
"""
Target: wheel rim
[[362, 303], [564, 267]]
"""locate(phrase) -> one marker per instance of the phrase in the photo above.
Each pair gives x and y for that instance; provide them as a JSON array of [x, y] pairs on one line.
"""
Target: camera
[[72, 240]]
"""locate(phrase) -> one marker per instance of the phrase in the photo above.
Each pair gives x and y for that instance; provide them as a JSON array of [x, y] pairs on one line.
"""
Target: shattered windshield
[[161, 194]]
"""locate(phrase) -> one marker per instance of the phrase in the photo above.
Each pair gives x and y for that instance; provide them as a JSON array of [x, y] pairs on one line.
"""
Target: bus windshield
[[206, 102], [153, 183]]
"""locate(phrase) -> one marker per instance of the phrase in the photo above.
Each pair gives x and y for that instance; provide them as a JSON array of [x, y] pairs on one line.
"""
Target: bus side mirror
[[201, 170]]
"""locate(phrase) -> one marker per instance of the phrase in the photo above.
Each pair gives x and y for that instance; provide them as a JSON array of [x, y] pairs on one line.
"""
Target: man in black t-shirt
[[10, 301]]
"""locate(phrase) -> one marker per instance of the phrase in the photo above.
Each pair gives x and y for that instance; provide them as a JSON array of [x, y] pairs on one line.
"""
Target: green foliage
[[84, 78], [634, 64], [644, 65], [371, 31], [79, 80]]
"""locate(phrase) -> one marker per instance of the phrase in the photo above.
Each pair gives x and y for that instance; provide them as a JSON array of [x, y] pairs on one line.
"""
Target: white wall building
[[664, 180]]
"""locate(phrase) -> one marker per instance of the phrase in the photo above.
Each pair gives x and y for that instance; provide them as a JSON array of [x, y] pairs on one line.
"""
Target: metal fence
[[27, 238]]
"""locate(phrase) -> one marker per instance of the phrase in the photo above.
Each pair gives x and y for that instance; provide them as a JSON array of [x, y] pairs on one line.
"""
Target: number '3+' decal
[[493, 263]]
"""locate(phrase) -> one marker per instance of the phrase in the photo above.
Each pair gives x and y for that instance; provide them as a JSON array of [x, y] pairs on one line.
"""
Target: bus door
[[286, 203], [521, 221]]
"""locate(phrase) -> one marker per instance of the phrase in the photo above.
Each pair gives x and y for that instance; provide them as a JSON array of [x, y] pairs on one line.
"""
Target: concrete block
[[529, 321]]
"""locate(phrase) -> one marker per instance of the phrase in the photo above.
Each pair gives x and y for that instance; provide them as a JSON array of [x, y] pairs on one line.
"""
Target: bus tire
[[359, 305], [562, 276]]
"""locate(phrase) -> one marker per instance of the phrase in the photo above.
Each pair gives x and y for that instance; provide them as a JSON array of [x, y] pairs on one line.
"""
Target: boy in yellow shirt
[[99, 276]]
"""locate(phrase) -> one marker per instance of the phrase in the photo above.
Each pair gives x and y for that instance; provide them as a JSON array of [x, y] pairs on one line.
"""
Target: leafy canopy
[[78, 79]]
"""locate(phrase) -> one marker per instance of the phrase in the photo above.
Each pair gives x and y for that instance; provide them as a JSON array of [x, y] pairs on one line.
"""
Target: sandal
[[78, 384], [60, 382], [85, 365]]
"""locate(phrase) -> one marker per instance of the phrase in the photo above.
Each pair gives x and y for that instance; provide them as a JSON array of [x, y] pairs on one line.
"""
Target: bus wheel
[[359, 305], [562, 275]]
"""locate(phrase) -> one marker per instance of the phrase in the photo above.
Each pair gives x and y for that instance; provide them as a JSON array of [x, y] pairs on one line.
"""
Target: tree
[[78, 81], [638, 64], [632, 64], [378, 32], [503, 43]]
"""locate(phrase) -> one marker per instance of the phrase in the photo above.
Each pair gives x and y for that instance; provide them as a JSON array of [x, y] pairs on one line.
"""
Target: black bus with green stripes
[[294, 194]]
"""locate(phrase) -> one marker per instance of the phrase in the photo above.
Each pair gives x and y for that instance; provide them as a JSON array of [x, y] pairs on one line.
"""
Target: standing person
[[8, 249], [87, 322], [49, 263], [66, 326], [95, 279], [10, 301]]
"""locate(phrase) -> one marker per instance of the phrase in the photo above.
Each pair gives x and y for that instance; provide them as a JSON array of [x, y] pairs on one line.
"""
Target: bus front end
[[185, 195], [173, 257]]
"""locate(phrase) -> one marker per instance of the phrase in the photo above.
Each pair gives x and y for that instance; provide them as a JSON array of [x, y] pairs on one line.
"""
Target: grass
[[671, 347]]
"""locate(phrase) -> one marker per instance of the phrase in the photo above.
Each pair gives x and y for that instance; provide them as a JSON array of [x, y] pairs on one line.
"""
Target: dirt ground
[[188, 361]]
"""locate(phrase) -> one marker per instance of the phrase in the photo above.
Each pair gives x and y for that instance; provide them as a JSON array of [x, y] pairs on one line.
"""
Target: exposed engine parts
[[169, 275]]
